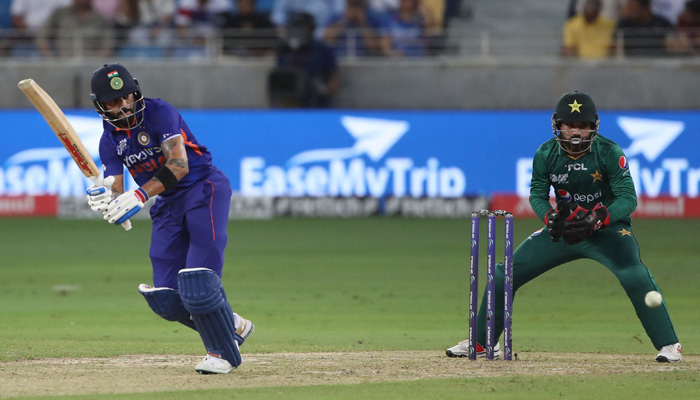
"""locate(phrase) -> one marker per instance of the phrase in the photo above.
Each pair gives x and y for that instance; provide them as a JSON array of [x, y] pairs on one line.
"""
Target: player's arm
[[118, 185], [175, 168], [166, 177], [622, 187], [539, 198], [539, 186]]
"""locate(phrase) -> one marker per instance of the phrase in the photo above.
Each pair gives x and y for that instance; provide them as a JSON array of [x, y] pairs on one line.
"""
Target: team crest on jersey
[[116, 83], [564, 194], [622, 162], [121, 147], [143, 138]]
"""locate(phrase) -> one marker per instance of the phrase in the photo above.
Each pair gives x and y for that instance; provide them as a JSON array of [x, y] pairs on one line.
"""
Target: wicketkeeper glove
[[554, 219], [99, 196], [585, 223], [125, 206]]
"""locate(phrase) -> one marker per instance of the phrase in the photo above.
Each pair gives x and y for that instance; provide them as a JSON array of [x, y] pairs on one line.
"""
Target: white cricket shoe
[[461, 349], [245, 327], [214, 365], [670, 353]]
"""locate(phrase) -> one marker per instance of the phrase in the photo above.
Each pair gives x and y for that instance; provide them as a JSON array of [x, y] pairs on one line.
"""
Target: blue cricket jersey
[[139, 149]]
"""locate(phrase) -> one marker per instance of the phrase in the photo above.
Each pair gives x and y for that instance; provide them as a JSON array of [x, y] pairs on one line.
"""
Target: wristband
[[141, 194], [166, 177]]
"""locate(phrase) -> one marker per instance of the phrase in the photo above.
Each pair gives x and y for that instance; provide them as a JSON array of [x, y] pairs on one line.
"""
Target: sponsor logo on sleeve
[[622, 162]]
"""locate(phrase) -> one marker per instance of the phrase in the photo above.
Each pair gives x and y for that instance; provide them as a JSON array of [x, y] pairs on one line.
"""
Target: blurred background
[[425, 108]]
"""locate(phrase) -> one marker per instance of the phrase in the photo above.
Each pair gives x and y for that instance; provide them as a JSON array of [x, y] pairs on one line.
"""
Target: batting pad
[[204, 297], [166, 303]]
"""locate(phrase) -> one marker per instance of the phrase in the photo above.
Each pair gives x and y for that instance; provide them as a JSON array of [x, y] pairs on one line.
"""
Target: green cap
[[574, 107]]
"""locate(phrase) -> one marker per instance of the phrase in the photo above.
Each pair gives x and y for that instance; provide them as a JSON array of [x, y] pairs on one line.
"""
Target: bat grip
[[126, 225]]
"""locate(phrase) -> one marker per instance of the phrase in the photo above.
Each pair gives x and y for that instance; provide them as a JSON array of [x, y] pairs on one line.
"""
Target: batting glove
[[125, 206], [99, 196]]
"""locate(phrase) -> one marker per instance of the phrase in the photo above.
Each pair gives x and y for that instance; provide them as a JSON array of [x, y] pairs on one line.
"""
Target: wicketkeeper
[[595, 196]]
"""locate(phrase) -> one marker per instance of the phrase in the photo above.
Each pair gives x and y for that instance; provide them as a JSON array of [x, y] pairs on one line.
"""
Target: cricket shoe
[[244, 330], [214, 365], [461, 349], [670, 353]]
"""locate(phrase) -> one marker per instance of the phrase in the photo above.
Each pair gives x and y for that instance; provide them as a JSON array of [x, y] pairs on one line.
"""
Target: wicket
[[491, 283]]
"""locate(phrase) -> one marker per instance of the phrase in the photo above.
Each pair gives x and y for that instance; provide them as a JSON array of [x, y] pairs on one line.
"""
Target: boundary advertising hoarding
[[390, 159]]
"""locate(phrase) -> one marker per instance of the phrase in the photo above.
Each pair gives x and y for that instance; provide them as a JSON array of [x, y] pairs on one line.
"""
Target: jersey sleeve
[[108, 156], [168, 120], [621, 184], [539, 185]]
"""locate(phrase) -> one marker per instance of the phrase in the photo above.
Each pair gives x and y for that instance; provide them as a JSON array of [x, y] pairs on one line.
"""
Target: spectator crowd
[[597, 29], [594, 29], [305, 37], [186, 28]]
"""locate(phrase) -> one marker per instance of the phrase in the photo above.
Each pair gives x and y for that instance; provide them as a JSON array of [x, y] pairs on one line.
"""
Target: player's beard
[[576, 145], [121, 119]]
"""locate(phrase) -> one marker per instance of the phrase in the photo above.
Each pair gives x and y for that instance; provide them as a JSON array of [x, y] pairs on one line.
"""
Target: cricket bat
[[65, 132]]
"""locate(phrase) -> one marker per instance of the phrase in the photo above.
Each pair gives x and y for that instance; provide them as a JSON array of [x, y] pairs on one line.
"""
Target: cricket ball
[[653, 299]]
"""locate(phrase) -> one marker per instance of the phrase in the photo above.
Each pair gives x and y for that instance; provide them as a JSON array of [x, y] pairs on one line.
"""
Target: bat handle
[[126, 225]]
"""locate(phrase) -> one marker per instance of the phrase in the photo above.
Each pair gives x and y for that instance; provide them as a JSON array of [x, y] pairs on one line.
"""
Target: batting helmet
[[111, 82]]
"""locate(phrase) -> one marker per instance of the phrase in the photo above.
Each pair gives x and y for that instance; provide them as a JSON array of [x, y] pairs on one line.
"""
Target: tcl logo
[[576, 167]]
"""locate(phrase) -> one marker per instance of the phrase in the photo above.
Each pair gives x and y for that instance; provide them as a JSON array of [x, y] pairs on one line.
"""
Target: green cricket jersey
[[600, 175]]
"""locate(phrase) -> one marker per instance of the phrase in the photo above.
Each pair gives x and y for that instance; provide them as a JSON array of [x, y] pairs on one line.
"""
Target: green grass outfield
[[68, 289]]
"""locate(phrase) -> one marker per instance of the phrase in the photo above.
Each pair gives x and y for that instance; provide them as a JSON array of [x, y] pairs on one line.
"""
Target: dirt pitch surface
[[149, 373]]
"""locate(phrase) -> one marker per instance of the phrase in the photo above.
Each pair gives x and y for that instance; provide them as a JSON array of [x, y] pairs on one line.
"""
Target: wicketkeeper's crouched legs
[[637, 282], [620, 254], [204, 298]]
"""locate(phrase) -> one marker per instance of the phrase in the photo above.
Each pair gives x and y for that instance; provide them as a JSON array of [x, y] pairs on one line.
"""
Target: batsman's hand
[[583, 223], [125, 206], [100, 194]]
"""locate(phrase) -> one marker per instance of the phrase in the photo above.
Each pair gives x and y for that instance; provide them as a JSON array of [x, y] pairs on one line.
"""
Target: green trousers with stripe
[[615, 247]]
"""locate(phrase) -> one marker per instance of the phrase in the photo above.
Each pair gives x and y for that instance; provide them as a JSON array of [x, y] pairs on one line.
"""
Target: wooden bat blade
[[63, 129], [60, 126]]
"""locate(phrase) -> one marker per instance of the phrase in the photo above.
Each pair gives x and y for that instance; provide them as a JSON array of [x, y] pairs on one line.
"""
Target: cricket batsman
[[149, 137], [595, 196]]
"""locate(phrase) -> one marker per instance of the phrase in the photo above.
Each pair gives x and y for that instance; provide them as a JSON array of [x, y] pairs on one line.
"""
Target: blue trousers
[[189, 229]]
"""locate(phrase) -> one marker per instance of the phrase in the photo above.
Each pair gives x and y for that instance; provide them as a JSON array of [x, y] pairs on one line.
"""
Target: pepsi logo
[[622, 162], [564, 194]]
